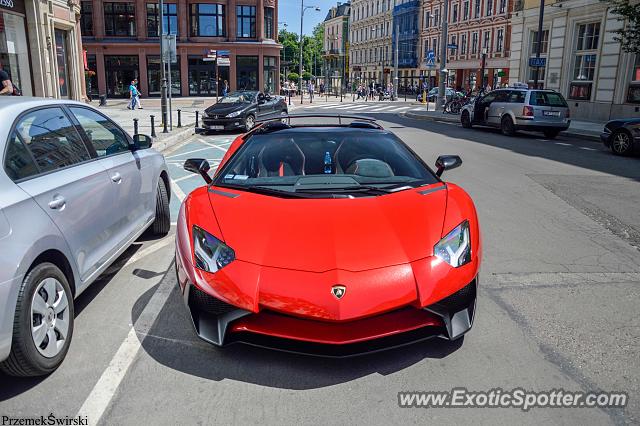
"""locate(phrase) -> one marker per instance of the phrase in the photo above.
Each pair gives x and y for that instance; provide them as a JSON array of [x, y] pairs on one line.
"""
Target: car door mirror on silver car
[[447, 162], [141, 141], [199, 166]]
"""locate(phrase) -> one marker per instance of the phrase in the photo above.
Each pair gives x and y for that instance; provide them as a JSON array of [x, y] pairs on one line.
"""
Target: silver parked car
[[75, 191], [516, 109]]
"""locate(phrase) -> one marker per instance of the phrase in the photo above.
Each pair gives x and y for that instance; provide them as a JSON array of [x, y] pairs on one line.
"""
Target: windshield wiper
[[343, 189], [265, 190]]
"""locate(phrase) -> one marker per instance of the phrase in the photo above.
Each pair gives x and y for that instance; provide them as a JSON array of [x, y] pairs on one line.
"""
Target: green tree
[[306, 76], [293, 76], [629, 35], [290, 50]]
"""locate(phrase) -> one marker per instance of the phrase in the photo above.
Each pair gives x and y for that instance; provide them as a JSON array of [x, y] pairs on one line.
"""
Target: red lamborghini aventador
[[329, 239]]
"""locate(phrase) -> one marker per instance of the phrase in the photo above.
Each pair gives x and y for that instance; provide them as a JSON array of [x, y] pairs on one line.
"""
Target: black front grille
[[201, 301], [461, 298]]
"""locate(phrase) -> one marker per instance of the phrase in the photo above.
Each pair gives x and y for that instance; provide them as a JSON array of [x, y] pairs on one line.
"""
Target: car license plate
[[217, 127], [551, 113]]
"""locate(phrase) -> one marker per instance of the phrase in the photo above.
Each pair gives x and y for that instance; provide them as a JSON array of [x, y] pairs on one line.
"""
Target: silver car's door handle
[[116, 177], [58, 202]]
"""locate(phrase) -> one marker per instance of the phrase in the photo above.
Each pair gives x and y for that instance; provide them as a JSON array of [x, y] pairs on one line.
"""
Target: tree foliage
[[293, 76], [311, 53], [629, 35]]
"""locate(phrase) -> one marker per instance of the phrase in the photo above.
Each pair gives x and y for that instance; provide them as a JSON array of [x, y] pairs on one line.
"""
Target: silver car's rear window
[[547, 99]]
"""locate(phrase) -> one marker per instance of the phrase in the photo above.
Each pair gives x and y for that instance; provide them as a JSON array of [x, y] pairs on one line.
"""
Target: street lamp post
[[443, 51], [484, 63], [539, 49], [302, 10]]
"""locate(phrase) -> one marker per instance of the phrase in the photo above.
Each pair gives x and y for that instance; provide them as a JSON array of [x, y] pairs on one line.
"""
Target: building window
[[154, 77], [474, 43], [465, 10], [120, 19], [268, 22], [499, 40], [584, 64], [463, 44], [245, 21], [454, 39], [503, 5], [476, 10], [170, 24], [86, 18], [455, 13], [247, 72], [207, 20], [427, 18], [436, 17], [633, 94], [534, 42], [489, 7], [485, 43]]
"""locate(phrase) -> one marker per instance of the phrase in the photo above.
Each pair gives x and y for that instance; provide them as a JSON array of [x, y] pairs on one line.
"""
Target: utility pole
[[301, 42], [539, 49], [443, 52], [395, 70], [163, 85]]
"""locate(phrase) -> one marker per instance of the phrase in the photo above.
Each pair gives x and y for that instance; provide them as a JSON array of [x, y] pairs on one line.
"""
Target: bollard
[[135, 126], [164, 122], [289, 97], [153, 126], [197, 125], [179, 118]]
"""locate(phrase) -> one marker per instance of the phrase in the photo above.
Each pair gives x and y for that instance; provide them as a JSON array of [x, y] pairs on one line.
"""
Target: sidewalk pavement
[[579, 129]]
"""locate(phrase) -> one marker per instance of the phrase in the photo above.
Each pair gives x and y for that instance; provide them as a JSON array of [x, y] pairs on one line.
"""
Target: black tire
[[551, 134], [284, 115], [24, 359], [507, 126], [162, 222], [465, 119], [249, 122], [455, 107], [621, 142]]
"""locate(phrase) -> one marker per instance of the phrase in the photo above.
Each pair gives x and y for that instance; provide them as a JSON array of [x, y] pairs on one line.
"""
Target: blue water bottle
[[327, 162]]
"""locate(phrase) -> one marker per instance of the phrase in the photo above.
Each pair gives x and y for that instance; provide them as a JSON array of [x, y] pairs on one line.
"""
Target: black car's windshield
[[328, 160], [235, 97]]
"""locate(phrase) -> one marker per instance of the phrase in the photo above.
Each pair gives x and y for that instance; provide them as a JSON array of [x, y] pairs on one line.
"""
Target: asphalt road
[[557, 309]]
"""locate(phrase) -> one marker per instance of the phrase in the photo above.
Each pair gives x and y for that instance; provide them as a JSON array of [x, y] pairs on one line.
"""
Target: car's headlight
[[234, 114], [210, 253], [455, 247]]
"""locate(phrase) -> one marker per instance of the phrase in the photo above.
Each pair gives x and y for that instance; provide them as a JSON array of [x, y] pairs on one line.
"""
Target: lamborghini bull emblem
[[338, 291]]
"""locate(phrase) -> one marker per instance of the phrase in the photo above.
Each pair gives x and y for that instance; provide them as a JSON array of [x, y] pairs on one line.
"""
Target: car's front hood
[[321, 235], [224, 109]]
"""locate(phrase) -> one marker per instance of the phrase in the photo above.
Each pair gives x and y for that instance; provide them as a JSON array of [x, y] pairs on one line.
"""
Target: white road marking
[[185, 153], [213, 145], [189, 176], [102, 393], [562, 143], [399, 109], [587, 148], [383, 108], [178, 191]]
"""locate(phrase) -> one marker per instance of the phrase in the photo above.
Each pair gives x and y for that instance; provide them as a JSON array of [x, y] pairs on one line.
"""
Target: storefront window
[[269, 74], [246, 21], [86, 18], [268, 22], [633, 95], [61, 61], [247, 72], [120, 19], [91, 76], [154, 76], [14, 56], [202, 77], [584, 64], [170, 24], [207, 20], [120, 70]]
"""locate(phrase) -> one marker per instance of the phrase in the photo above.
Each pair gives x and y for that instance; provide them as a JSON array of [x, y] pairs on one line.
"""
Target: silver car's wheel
[[50, 317], [620, 142]]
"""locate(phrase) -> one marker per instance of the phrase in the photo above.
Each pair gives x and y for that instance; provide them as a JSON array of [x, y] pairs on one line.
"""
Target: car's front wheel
[[507, 126], [249, 122], [42, 323], [162, 221], [465, 119], [621, 142]]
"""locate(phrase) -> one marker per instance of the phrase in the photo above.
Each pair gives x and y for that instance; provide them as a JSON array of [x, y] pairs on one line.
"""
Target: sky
[[289, 12]]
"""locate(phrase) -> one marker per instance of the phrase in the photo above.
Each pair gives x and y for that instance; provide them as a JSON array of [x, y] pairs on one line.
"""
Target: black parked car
[[622, 136], [241, 109]]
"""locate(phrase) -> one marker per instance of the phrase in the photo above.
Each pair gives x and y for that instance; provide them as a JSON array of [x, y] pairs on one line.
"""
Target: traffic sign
[[169, 48], [452, 46], [537, 62], [430, 60]]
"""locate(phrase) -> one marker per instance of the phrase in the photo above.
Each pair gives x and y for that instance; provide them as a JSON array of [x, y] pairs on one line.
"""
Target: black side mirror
[[447, 162], [141, 141], [199, 166]]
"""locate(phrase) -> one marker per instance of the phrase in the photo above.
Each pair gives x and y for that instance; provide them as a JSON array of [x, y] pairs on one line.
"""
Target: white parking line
[[212, 145], [102, 393], [562, 143], [178, 191], [587, 148], [185, 153]]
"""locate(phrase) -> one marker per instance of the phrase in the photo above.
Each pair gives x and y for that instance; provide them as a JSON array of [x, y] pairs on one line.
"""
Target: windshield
[[237, 97], [327, 160]]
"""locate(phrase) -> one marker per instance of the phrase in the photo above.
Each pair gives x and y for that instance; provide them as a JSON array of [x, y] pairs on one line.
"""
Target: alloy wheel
[[49, 317], [249, 122], [621, 142]]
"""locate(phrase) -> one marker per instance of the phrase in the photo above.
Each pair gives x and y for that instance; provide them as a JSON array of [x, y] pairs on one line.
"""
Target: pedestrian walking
[[225, 88], [133, 95], [6, 87]]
